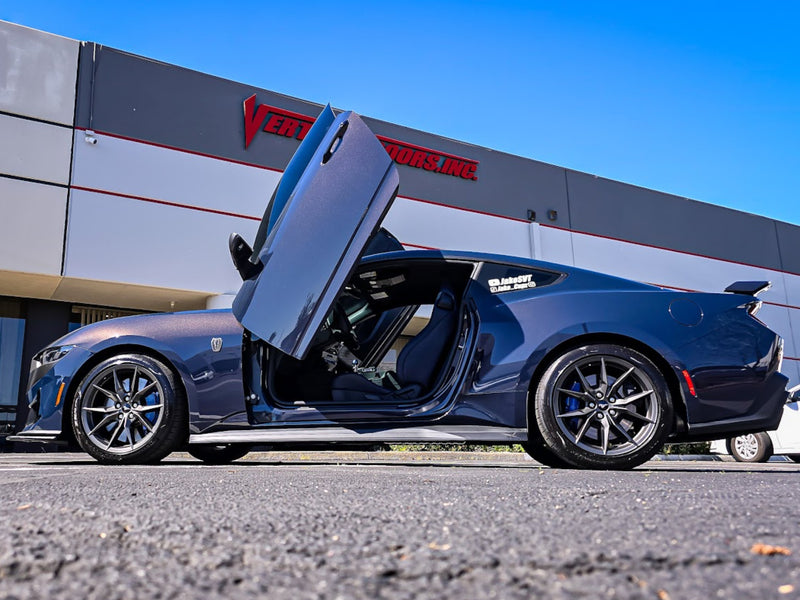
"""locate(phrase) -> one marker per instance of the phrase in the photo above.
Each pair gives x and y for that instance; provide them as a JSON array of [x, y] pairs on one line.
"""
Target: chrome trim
[[466, 433], [34, 436], [794, 394]]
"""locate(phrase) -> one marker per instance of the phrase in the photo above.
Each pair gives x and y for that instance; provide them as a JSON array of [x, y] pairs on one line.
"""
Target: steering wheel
[[341, 328]]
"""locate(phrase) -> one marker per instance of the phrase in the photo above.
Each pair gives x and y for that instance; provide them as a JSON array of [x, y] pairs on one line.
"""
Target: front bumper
[[49, 391]]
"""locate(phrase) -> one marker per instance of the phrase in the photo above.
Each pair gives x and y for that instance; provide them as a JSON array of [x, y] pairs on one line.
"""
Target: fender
[[212, 378]]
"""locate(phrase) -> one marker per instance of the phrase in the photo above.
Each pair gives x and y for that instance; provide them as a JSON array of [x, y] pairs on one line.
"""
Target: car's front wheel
[[218, 454], [602, 406], [542, 454], [752, 447], [129, 409]]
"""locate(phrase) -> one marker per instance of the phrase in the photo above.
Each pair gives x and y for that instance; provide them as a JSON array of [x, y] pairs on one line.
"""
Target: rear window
[[498, 278]]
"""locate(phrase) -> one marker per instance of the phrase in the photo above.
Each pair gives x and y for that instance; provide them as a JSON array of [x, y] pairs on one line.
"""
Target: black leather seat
[[418, 363]]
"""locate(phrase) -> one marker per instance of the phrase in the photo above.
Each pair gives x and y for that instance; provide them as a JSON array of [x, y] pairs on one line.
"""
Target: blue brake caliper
[[573, 404]]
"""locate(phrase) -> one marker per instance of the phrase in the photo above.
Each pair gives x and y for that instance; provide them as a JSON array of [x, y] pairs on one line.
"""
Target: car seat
[[417, 365]]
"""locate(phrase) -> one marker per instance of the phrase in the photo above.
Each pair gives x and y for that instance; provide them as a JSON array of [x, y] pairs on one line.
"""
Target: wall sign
[[279, 121], [430, 160], [275, 120]]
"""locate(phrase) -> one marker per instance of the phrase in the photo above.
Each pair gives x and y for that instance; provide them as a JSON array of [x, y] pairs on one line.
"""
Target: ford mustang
[[339, 335]]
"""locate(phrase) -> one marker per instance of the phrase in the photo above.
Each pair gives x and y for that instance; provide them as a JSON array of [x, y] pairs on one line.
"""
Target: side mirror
[[241, 253]]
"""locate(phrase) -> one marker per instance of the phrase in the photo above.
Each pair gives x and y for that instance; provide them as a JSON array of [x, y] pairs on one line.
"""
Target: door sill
[[437, 433]]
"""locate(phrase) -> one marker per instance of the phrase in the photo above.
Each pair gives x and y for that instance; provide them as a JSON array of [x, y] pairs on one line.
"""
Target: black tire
[[602, 406], [129, 409], [540, 453], [218, 454], [751, 447]]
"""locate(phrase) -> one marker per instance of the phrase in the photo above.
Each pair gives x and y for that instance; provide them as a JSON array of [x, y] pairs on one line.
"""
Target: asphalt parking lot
[[383, 525]]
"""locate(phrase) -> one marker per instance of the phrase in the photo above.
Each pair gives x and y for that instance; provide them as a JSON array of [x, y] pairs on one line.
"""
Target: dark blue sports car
[[338, 335]]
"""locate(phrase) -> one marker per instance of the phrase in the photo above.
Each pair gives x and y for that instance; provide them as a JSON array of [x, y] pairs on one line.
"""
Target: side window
[[498, 278]]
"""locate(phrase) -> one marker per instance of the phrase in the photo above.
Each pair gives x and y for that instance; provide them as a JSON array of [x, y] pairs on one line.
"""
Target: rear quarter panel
[[520, 332]]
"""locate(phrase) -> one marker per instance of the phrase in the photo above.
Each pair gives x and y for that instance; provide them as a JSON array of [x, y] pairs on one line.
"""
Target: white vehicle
[[759, 447]]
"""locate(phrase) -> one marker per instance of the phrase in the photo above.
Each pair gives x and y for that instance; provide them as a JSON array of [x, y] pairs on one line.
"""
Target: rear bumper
[[765, 415]]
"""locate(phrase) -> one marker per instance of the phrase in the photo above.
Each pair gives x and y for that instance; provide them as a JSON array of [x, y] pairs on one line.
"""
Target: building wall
[[130, 204], [37, 107]]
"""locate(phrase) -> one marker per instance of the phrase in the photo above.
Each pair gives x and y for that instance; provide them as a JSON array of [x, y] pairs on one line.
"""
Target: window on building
[[86, 315]]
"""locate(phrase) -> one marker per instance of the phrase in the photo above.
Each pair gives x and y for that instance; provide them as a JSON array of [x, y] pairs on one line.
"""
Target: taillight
[[689, 382]]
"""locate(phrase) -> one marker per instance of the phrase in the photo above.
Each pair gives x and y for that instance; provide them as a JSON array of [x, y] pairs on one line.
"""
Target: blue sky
[[699, 99]]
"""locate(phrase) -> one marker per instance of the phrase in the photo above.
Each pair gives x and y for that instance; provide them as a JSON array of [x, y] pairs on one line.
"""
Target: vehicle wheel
[[753, 447], [218, 454], [129, 410], [603, 406]]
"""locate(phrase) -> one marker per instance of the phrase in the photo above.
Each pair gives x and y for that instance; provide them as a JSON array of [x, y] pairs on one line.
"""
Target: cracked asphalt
[[339, 525]]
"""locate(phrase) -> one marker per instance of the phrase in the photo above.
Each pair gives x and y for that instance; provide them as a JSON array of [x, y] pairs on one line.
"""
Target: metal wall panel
[[791, 283], [180, 108], [555, 245], [32, 226], [791, 364], [35, 150], [789, 245], [147, 171], [129, 241], [431, 225], [669, 268], [164, 104], [37, 74], [507, 185], [626, 212], [148, 100]]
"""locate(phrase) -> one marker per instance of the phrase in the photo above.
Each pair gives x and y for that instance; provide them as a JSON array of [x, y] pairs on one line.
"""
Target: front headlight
[[51, 355]]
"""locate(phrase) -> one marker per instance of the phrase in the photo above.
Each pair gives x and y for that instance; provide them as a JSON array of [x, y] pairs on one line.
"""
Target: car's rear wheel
[[129, 410], [752, 447], [602, 406], [218, 454]]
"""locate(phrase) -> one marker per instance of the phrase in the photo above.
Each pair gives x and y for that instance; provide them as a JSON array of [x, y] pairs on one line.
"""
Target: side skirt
[[466, 433], [40, 436]]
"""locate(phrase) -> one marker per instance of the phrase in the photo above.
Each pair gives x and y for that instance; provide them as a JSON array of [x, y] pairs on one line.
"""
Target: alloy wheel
[[605, 405], [747, 446], [122, 408]]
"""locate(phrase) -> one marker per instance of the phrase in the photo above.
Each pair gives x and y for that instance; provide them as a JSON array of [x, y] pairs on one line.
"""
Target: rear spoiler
[[748, 288]]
